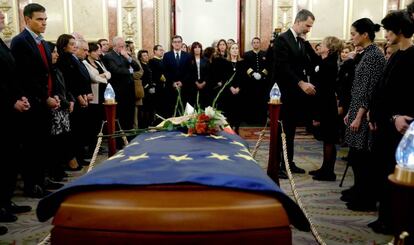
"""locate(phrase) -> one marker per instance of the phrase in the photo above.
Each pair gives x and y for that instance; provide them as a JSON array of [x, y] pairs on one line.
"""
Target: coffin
[[170, 214], [166, 187]]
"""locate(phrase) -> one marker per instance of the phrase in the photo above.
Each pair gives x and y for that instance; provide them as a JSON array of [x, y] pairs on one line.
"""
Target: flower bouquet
[[197, 120]]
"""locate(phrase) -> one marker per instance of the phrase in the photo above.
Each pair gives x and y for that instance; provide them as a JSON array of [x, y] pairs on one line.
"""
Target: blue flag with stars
[[171, 157]]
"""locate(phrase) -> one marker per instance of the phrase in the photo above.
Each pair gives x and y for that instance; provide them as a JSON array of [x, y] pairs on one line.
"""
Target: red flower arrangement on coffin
[[208, 121], [198, 121]]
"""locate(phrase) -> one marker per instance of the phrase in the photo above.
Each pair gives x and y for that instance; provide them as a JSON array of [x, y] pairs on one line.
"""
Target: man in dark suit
[[11, 102], [33, 61], [158, 76], [291, 62], [257, 85], [177, 70], [122, 68]]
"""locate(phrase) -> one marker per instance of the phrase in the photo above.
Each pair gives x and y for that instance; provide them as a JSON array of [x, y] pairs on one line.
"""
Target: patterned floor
[[335, 223]]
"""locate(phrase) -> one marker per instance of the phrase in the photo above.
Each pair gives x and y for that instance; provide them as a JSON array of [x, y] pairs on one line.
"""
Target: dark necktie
[[177, 58], [298, 40]]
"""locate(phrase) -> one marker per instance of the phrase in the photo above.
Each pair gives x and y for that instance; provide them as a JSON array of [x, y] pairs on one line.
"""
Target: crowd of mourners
[[356, 94]]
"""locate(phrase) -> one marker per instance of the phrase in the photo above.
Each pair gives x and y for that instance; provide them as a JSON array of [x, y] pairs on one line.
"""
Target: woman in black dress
[[326, 112], [217, 66], [231, 101], [199, 77], [368, 73]]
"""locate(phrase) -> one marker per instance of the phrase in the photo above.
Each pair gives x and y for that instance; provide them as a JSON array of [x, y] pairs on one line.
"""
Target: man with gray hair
[[122, 68], [292, 57]]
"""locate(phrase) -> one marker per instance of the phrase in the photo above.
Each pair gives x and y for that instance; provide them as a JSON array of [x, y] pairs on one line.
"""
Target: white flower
[[210, 112], [221, 119], [316, 68], [189, 110]]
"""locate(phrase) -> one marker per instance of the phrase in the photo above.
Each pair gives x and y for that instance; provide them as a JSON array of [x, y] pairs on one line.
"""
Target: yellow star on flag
[[180, 158], [237, 143], [185, 135], [134, 158], [132, 144], [217, 137], [119, 155], [246, 157], [246, 150], [219, 157], [154, 138]]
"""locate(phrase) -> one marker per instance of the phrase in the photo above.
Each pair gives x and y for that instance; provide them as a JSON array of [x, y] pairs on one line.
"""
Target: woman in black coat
[[325, 115], [232, 103]]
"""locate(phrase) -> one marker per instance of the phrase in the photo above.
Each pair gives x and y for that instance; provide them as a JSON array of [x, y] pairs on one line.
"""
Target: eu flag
[[172, 157]]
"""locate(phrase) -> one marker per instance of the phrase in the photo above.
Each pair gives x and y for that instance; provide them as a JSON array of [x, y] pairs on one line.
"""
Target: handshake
[[256, 75]]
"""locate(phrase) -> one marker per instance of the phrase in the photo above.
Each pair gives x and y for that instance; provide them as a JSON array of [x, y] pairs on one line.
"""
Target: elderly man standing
[[33, 61], [122, 68]]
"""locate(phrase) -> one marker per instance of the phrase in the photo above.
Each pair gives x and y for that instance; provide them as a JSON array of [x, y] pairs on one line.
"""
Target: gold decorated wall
[[149, 22]]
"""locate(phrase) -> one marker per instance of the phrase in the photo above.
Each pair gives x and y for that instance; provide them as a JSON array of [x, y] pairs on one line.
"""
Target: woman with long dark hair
[[199, 77], [219, 61]]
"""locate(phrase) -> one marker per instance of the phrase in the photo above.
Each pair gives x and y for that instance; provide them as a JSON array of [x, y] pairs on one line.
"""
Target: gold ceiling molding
[[9, 20]]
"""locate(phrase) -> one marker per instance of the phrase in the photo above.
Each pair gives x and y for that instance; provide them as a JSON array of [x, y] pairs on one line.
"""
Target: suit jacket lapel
[[292, 41], [29, 38], [48, 54]]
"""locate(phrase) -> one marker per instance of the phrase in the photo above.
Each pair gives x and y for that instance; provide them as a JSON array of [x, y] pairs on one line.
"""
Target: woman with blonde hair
[[232, 101], [325, 116]]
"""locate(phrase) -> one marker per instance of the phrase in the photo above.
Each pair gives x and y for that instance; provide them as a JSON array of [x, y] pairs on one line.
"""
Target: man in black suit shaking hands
[[291, 63]]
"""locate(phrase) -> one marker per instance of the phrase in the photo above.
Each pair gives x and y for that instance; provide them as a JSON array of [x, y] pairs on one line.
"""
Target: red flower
[[201, 127], [203, 118], [190, 131]]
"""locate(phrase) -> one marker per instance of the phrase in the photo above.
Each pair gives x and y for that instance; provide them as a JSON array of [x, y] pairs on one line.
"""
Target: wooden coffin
[[170, 214]]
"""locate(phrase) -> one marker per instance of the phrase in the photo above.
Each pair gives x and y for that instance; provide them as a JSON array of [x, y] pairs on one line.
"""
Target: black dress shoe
[[314, 172], [325, 176], [380, 227], [347, 198], [349, 191], [283, 174], [6, 216], [84, 162], [50, 185], [295, 169], [361, 206], [3, 230], [36, 192], [16, 209]]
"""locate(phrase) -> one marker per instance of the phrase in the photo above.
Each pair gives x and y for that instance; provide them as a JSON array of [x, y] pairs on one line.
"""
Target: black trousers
[[385, 144], [363, 165], [289, 128], [9, 165]]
